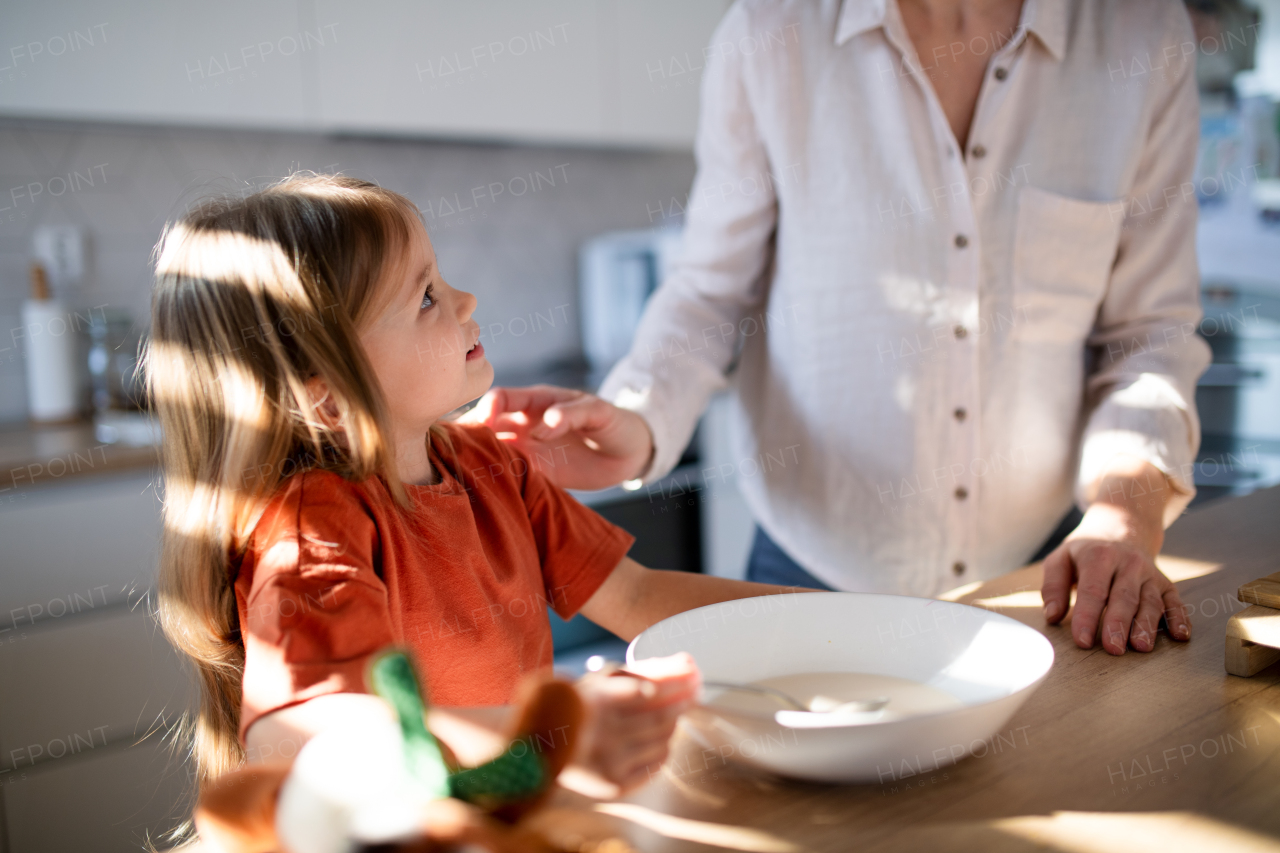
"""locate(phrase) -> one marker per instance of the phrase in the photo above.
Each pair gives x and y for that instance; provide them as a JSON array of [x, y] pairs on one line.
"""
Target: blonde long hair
[[253, 296]]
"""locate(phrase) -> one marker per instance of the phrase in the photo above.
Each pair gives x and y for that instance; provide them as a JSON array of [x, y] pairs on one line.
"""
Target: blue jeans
[[770, 564]]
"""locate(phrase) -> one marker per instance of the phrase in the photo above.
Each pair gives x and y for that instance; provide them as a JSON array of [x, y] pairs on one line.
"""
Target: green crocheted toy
[[520, 775]]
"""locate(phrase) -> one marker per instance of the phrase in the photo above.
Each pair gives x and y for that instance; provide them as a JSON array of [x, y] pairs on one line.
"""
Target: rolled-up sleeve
[[688, 336], [1147, 353]]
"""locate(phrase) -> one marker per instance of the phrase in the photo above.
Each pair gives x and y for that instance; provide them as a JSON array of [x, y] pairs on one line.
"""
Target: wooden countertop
[[1161, 751], [36, 456]]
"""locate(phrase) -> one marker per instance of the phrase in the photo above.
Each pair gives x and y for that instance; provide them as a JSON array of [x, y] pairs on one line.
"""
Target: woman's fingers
[[1150, 605], [532, 400], [585, 414], [1175, 614], [509, 422], [1123, 599], [1095, 568], [593, 444], [1120, 595], [1055, 590]]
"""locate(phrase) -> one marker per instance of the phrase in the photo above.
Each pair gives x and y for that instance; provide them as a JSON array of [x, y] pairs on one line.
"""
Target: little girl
[[305, 352]]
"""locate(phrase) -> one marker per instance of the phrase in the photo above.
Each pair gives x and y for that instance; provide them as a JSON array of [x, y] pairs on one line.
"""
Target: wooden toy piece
[[540, 743], [549, 719], [1253, 637], [236, 814], [237, 811], [1264, 591]]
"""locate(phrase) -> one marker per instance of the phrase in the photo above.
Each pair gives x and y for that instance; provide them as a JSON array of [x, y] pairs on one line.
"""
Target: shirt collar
[[858, 16], [1047, 19]]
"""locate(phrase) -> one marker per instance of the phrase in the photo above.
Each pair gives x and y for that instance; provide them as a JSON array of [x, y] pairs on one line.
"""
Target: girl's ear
[[322, 403]]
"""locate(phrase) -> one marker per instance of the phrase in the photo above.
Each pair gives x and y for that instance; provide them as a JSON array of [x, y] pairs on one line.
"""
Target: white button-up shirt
[[933, 349]]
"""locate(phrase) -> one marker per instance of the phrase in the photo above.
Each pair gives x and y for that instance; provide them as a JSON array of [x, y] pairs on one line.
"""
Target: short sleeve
[[576, 547], [312, 606]]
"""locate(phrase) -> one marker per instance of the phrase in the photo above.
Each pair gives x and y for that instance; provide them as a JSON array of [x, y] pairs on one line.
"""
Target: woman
[[922, 240]]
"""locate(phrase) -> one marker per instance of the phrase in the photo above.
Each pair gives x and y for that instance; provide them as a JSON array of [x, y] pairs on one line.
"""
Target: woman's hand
[[576, 439], [630, 720], [1110, 559]]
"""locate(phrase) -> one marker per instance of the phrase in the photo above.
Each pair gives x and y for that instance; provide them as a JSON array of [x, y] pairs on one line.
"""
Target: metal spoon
[[817, 705]]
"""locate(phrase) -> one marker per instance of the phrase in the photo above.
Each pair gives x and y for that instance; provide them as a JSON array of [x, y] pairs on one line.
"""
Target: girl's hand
[[576, 439], [630, 719]]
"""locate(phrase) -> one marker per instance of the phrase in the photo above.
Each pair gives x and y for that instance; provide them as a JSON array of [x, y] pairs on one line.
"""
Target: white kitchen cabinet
[[491, 69], [239, 62], [81, 684], [107, 800], [580, 71], [77, 546], [85, 672], [657, 68], [606, 72]]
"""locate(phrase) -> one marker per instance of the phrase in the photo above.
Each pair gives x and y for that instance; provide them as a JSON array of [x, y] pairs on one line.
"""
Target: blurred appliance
[[119, 387], [113, 361], [618, 271], [1238, 397]]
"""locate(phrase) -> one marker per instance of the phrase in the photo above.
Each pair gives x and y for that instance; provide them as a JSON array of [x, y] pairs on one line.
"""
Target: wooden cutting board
[[1264, 591], [1253, 635]]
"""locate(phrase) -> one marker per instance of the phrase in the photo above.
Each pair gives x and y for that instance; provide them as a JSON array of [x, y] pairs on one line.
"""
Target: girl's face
[[423, 345]]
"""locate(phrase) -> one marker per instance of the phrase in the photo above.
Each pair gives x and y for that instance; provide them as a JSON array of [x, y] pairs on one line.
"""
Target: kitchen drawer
[[106, 800], [91, 540], [75, 684]]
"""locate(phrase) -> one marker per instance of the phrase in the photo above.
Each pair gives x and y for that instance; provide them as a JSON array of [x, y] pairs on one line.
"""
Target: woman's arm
[[633, 597], [690, 331], [1138, 447]]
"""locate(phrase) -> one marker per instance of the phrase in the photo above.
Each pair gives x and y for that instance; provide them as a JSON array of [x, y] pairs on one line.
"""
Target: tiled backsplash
[[506, 221]]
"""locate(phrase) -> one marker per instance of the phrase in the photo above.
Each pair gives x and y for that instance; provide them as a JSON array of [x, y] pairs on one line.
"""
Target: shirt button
[[957, 567], [1002, 73], [961, 493], [961, 241], [960, 413], [979, 152], [961, 333]]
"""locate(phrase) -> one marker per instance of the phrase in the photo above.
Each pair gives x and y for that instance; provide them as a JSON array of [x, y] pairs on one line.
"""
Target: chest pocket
[[1063, 252]]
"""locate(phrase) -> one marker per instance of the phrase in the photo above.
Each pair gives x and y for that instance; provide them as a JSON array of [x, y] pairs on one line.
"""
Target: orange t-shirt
[[335, 571]]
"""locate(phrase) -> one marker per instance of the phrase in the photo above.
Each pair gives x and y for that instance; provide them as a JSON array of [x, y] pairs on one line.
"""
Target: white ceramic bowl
[[989, 662]]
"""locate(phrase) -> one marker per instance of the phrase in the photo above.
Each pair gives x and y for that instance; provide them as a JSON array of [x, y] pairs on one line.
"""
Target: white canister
[[50, 344]]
